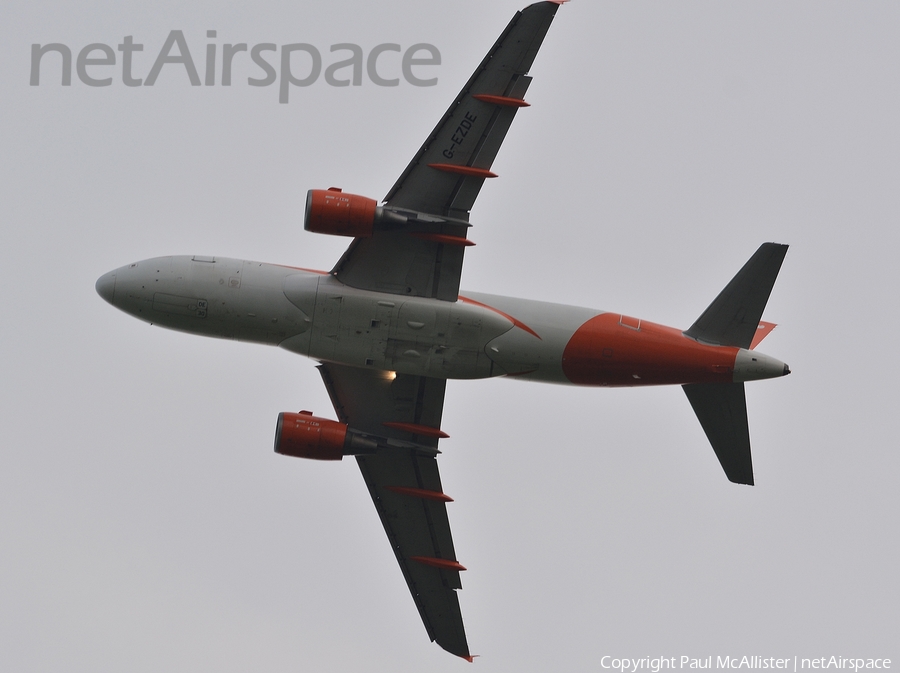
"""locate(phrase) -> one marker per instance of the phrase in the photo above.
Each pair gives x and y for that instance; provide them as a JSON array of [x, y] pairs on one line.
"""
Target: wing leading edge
[[441, 183]]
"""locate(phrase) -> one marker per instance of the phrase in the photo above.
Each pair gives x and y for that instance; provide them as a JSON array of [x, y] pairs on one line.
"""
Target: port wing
[[405, 486], [441, 183]]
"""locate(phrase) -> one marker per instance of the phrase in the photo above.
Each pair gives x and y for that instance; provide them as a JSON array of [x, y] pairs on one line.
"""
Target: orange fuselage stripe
[[614, 350], [514, 321]]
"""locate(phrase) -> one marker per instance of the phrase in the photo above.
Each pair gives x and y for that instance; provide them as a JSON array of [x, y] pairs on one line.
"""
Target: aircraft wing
[[443, 179], [406, 487]]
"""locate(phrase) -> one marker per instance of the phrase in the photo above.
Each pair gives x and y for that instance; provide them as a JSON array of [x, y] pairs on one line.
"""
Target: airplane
[[389, 326]]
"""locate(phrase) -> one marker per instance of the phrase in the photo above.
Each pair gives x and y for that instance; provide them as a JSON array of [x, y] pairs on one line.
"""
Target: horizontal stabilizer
[[722, 411], [733, 317]]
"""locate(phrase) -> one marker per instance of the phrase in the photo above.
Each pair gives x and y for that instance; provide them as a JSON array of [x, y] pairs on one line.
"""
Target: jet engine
[[306, 436], [331, 211]]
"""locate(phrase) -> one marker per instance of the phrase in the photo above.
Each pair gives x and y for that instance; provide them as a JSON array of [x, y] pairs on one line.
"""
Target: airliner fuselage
[[480, 336]]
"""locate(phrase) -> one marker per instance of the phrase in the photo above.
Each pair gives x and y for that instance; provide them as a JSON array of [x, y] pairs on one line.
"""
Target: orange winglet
[[762, 331], [423, 493], [416, 429], [471, 657], [470, 171], [442, 563], [443, 238], [501, 100]]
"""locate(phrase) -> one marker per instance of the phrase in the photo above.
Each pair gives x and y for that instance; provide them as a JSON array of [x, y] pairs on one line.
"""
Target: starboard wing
[[405, 485]]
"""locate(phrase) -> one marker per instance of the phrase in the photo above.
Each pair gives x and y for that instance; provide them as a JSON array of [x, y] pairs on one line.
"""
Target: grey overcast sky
[[147, 525]]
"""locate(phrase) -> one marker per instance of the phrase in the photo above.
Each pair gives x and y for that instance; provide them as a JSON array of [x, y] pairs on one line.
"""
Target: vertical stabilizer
[[722, 411], [733, 317]]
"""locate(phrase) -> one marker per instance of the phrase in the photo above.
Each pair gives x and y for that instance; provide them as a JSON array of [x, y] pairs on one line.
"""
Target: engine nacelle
[[331, 211], [306, 436]]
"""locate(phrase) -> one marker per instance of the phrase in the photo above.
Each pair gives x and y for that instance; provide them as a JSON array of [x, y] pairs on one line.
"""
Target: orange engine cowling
[[305, 436], [331, 211]]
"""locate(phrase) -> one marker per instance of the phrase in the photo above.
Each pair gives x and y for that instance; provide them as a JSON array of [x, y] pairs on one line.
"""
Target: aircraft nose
[[106, 286]]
